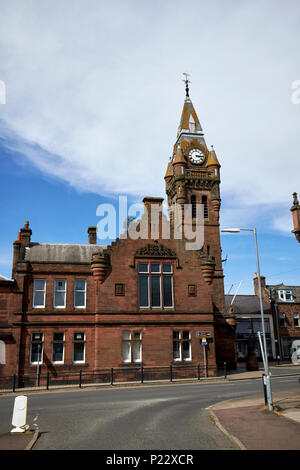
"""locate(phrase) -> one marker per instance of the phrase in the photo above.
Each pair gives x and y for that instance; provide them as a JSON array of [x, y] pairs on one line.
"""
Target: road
[[135, 418]]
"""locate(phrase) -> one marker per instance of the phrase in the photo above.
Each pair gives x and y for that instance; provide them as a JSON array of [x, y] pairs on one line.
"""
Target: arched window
[[204, 202], [2, 353], [194, 206]]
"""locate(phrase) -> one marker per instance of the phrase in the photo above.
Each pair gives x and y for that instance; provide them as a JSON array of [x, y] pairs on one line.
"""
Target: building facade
[[284, 302], [248, 323], [139, 301]]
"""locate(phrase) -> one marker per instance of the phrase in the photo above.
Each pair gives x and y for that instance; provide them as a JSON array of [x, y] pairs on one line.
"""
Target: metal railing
[[118, 375]]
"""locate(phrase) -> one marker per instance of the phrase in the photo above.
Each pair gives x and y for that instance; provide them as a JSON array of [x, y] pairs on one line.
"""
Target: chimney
[[92, 231], [264, 293], [295, 209], [25, 234], [153, 209]]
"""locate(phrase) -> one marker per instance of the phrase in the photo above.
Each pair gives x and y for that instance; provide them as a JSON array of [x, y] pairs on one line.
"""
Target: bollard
[[198, 371], [142, 374], [48, 381], [19, 419], [225, 370], [80, 378], [171, 373], [14, 383], [265, 389], [112, 376]]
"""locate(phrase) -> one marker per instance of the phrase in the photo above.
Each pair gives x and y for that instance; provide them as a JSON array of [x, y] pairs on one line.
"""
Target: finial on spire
[[295, 199], [186, 81]]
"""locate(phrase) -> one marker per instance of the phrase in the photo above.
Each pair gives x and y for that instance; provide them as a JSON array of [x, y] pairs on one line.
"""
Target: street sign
[[203, 342]]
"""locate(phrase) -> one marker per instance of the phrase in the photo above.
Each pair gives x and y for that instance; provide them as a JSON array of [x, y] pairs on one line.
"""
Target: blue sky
[[94, 115]]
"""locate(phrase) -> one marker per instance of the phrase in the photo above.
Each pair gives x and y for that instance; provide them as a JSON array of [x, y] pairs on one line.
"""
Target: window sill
[[131, 364]]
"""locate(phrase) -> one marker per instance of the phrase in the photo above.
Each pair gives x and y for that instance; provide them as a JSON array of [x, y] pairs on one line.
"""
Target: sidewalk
[[246, 421], [24, 441], [249, 423]]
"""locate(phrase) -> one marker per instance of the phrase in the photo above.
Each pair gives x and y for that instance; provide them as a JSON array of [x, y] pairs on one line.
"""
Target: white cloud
[[284, 223], [93, 92]]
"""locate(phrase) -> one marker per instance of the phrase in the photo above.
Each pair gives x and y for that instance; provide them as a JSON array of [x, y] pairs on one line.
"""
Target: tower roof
[[212, 158], [189, 122], [169, 171], [178, 155]]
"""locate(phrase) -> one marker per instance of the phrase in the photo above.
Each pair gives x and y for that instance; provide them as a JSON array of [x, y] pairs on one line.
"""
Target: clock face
[[196, 156]]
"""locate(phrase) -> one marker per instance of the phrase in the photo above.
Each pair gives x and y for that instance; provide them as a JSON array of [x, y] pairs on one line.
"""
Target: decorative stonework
[[207, 264], [155, 250], [100, 264]]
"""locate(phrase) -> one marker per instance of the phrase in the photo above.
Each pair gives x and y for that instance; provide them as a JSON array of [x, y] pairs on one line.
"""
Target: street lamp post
[[266, 365]]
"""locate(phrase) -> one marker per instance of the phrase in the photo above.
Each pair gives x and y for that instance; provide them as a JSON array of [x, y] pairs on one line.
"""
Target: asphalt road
[[134, 418]]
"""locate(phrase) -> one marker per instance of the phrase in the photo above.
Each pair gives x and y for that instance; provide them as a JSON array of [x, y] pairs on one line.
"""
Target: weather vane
[[186, 81]]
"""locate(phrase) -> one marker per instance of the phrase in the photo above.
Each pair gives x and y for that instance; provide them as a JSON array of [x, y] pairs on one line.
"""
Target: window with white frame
[[296, 320], [36, 348], [285, 295], [58, 347], [182, 345], [80, 293], [39, 293], [79, 347], [155, 285], [60, 293], [132, 346], [2, 352], [282, 322]]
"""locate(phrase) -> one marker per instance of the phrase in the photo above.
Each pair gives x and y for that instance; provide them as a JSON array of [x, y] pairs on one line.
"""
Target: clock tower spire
[[193, 173]]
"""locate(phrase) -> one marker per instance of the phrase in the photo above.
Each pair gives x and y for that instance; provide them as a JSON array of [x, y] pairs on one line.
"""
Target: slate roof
[[4, 279], [61, 253], [246, 304], [295, 290]]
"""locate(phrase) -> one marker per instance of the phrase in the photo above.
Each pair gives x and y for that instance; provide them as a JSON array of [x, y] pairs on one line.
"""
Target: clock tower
[[193, 172], [193, 177]]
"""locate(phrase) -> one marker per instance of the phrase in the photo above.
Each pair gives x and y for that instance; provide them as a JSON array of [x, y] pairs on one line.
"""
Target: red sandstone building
[[284, 302], [135, 302], [295, 209]]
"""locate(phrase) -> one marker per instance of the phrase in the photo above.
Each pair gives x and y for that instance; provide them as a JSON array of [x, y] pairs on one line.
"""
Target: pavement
[[247, 422]]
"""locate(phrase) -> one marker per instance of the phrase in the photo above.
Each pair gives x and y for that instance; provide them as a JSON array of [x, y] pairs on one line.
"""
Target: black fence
[[46, 380]]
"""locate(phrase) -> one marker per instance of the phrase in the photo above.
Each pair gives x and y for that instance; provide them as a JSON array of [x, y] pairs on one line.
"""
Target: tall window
[[155, 285], [79, 347], [205, 208], [2, 352], [36, 348], [132, 346], [296, 319], [39, 293], [60, 293], [58, 347], [282, 320], [194, 207], [80, 293], [182, 345]]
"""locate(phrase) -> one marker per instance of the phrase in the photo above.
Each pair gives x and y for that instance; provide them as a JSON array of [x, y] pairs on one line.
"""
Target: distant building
[[284, 302], [281, 305], [296, 216], [246, 309], [135, 302]]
